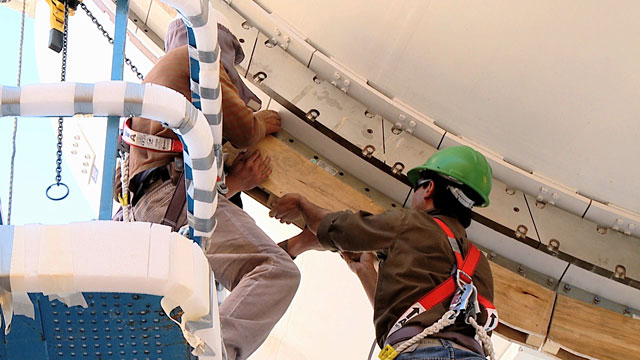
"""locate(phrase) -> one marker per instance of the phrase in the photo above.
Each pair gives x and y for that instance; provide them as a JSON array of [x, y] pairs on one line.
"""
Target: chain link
[[110, 39], [63, 77]]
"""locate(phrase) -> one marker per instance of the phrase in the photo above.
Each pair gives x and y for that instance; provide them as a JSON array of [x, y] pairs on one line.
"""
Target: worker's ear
[[429, 190]]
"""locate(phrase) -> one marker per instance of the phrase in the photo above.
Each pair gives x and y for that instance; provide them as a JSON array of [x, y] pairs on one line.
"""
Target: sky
[[36, 137], [36, 142]]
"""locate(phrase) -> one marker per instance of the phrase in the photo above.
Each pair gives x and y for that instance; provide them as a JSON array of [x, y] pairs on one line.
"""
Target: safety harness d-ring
[[66, 191]]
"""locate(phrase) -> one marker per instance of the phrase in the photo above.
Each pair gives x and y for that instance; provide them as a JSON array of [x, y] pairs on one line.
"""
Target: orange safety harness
[[466, 299], [147, 141]]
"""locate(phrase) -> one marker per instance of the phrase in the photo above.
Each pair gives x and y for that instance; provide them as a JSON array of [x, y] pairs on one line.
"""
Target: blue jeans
[[444, 352]]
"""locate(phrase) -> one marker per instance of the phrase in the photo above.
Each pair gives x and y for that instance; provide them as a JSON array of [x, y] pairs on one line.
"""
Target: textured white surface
[[548, 85], [109, 256]]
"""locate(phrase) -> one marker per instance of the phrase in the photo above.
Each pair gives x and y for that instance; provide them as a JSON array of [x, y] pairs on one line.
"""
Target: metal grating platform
[[113, 326]]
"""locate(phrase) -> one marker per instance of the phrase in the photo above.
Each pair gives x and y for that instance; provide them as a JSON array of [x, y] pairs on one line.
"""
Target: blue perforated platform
[[113, 326]]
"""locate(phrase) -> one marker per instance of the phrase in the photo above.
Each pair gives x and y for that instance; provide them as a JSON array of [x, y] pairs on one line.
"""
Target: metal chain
[[110, 39], [63, 76], [15, 119]]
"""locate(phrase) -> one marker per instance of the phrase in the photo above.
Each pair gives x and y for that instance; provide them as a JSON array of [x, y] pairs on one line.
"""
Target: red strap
[[449, 286], [452, 241], [485, 302], [150, 142]]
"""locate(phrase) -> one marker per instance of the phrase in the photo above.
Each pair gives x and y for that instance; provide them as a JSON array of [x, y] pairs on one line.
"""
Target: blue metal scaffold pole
[[110, 148]]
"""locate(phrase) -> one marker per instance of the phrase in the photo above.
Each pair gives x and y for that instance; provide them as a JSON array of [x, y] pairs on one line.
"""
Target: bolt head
[[336, 75], [412, 123], [402, 117], [567, 287]]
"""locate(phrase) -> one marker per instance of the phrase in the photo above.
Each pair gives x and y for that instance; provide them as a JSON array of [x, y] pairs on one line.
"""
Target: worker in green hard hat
[[429, 272]]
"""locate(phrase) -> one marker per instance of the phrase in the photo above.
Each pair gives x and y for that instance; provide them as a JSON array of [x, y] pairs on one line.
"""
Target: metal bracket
[[597, 300], [546, 281]]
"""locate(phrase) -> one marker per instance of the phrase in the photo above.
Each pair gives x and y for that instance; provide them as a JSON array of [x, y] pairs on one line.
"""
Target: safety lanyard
[[459, 284], [148, 141]]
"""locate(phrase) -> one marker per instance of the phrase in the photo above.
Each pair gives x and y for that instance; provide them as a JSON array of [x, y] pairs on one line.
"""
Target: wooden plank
[[591, 332], [293, 173], [524, 307]]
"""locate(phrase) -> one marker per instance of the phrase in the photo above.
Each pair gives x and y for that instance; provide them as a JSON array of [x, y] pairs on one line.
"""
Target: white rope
[[127, 214], [446, 320], [15, 119], [485, 340]]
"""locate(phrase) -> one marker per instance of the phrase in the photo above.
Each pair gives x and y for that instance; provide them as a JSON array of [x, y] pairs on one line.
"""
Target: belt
[[143, 180], [435, 342], [407, 332]]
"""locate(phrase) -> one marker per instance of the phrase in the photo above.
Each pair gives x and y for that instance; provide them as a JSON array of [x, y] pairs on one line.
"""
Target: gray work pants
[[261, 276]]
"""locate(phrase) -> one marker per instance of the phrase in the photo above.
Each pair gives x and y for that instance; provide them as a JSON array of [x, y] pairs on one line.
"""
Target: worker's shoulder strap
[[176, 205], [465, 268]]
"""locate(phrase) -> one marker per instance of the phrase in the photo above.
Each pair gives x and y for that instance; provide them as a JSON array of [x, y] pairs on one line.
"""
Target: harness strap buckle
[[462, 278], [461, 299]]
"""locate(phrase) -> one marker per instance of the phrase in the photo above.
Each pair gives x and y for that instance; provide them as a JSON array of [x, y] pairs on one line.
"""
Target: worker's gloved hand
[[248, 171], [270, 119]]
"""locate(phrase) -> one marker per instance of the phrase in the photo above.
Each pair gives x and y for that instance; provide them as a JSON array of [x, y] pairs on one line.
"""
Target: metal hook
[[57, 185]]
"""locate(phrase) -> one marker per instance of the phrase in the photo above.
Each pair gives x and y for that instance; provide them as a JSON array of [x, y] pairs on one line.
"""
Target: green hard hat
[[463, 164]]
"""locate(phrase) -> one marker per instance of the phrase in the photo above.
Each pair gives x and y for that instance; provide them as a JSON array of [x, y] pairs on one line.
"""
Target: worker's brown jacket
[[418, 258]]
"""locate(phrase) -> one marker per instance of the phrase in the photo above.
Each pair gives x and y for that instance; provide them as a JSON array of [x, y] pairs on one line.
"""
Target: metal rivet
[[521, 269], [83, 337], [567, 288], [620, 272], [521, 232], [259, 77], [84, 346], [492, 255], [627, 310], [96, 337], [550, 281], [72, 346], [368, 151], [59, 345], [554, 246], [369, 114], [397, 168], [510, 191], [312, 114], [596, 299]]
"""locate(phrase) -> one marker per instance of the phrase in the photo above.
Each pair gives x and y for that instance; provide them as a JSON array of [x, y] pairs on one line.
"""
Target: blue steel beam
[[110, 148]]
